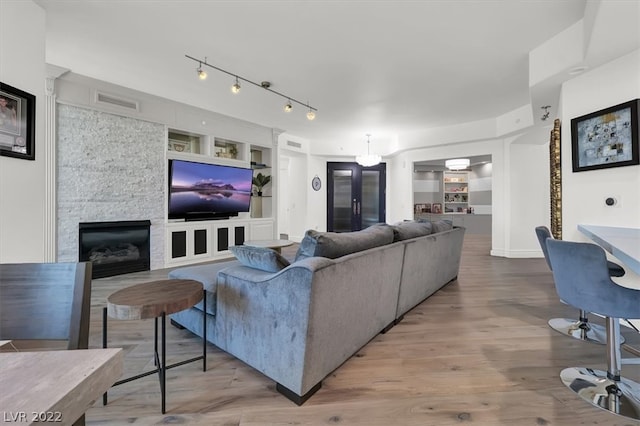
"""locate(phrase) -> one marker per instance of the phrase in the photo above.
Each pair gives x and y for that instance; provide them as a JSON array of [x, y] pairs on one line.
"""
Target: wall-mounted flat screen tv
[[200, 191]]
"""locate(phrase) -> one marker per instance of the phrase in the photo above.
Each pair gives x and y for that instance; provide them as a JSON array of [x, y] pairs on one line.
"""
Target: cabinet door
[[189, 243], [227, 235]]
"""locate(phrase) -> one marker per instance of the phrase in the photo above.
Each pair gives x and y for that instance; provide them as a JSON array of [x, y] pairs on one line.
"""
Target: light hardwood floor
[[477, 352]]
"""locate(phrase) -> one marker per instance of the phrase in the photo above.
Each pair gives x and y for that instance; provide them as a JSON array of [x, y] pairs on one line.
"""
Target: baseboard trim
[[517, 254]]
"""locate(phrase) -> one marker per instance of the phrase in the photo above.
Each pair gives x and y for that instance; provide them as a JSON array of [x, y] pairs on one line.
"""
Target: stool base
[[577, 329], [618, 397]]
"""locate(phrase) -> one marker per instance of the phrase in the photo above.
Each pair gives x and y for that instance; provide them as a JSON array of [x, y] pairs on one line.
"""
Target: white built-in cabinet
[[200, 241]]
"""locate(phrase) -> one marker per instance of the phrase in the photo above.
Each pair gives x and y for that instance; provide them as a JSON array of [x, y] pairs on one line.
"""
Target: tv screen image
[[203, 190]]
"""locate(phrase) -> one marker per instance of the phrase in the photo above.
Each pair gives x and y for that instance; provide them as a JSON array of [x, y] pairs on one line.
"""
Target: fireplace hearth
[[115, 248]]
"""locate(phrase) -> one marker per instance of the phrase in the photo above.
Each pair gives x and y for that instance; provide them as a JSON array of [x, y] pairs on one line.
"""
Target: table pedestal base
[[159, 361]]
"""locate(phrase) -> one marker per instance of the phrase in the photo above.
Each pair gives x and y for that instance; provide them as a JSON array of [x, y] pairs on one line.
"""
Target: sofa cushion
[[207, 274], [337, 244], [262, 258], [441, 225], [410, 229]]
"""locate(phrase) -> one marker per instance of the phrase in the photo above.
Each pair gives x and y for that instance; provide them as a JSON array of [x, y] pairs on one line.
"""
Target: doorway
[[355, 196]]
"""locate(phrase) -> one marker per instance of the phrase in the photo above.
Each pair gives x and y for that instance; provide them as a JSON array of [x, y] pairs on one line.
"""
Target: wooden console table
[[156, 299], [55, 387]]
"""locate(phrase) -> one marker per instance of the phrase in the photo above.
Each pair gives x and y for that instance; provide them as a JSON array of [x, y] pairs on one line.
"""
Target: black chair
[[46, 301], [581, 328], [582, 278]]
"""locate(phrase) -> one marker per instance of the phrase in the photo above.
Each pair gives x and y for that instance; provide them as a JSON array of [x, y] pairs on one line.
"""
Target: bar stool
[[582, 279], [581, 328]]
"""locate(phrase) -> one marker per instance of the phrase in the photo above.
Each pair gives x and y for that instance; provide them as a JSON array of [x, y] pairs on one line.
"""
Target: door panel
[[356, 196], [370, 197], [342, 200]]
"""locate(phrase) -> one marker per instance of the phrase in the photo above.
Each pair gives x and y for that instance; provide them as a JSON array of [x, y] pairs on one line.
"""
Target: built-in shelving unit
[[261, 203], [456, 192], [199, 241]]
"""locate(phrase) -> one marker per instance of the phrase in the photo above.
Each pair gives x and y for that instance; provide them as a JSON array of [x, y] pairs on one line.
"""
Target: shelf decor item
[[17, 123], [260, 181], [606, 138]]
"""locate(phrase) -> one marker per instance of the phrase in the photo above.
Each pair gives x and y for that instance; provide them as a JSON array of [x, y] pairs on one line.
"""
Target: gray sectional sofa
[[298, 321]]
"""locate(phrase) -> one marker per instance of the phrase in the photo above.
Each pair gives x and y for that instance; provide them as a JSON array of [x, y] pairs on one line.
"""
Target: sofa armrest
[[263, 318]]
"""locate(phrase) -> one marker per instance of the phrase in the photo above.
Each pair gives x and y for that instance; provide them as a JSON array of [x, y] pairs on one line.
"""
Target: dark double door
[[355, 196]]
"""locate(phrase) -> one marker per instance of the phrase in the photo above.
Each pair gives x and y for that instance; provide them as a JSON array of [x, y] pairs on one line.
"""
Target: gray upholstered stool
[[582, 279], [579, 328]]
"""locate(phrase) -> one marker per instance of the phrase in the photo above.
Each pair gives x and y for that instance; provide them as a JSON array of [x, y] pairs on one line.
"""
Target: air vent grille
[[294, 144], [103, 98]]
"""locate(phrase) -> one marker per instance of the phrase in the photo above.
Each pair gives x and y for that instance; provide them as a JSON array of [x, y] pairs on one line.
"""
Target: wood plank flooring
[[478, 352]]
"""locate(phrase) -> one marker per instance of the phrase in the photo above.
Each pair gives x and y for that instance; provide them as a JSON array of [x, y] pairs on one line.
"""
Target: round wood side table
[[272, 244], [156, 299]]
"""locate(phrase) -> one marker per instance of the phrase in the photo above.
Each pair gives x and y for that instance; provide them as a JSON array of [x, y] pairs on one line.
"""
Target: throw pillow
[[265, 259], [337, 244], [442, 225], [407, 230]]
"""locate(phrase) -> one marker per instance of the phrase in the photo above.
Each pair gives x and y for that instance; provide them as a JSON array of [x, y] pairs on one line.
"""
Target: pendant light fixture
[[369, 159], [457, 163], [235, 88]]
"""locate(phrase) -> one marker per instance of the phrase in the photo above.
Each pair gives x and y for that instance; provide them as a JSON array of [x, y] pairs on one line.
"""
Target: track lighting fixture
[[369, 159], [235, 88]]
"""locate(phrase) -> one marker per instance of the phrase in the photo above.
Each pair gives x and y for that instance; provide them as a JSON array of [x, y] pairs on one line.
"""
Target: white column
[[50, 164], [49, 151]]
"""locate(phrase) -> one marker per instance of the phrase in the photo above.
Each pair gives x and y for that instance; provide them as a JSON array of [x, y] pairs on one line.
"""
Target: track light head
[[236, 86], [310, 115], [288, 107], [201, 73]]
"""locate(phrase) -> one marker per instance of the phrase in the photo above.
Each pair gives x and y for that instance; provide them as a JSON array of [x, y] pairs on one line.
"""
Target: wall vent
[[294, 144], [113, 100]]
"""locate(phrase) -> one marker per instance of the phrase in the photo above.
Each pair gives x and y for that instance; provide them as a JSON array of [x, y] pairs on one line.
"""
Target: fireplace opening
[[115, 248]]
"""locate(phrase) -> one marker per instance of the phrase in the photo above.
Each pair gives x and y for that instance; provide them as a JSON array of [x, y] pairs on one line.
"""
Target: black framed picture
[[606, 138], [17, 123]]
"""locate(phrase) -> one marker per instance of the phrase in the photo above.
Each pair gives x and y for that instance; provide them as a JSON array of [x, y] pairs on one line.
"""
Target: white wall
[[292, 217], [400, 193], [529, 197], [584, 192], [22, 186]]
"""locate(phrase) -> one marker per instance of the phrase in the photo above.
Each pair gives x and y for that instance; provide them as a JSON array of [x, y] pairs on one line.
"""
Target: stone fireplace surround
[[109, 168]]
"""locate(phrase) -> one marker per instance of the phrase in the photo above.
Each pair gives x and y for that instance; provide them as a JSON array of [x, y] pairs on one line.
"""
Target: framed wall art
[[17, 123], [606, 138]]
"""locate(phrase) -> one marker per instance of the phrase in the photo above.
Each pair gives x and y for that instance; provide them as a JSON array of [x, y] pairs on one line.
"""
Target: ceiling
[[386, 68]]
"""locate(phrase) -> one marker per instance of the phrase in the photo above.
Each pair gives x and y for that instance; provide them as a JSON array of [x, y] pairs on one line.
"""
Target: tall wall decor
[[556, 181]]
